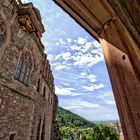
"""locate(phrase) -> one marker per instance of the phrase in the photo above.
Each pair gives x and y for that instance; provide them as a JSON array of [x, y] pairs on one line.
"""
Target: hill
[[67, 118]]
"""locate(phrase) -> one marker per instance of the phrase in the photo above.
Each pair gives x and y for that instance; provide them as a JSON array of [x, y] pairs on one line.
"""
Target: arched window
[[2, 32], [43, 131], [44, 92], [23, 68], [38, 86], [38, 130]]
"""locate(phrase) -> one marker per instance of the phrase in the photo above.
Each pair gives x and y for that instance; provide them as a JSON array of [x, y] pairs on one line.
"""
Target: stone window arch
[[2, 32], [23, 68]]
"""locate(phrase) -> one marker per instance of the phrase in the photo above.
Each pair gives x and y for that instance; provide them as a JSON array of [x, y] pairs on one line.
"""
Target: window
[[43, 131], [44, 92], [38, 85], [12, 136], [1, 40], [38, 130], [2, 32], [23, 69]]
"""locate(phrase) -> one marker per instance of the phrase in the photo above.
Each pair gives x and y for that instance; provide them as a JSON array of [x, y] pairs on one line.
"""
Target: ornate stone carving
[[30, 19]]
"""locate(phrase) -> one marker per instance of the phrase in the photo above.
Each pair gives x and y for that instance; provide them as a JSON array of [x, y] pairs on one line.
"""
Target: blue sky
[[81, 79]]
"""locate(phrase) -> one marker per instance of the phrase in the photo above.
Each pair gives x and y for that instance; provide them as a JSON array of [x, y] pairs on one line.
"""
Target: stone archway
[[118, 33]]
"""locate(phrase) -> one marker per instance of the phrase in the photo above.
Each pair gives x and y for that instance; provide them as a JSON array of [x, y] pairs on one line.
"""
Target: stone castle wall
[[25, 109]]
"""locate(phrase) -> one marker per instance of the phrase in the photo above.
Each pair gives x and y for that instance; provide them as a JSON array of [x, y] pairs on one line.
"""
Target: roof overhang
[[90, 14]]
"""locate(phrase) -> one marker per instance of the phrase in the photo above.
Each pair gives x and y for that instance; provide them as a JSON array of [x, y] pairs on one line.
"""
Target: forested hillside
[[67, 118], [74, 127]]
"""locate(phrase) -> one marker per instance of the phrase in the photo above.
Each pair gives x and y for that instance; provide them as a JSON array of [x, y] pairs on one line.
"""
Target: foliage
[[74, 127], [98, 132], [69, 119]]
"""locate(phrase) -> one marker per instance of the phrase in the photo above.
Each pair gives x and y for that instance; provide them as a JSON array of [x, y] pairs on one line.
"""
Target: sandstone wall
[[24, 111]]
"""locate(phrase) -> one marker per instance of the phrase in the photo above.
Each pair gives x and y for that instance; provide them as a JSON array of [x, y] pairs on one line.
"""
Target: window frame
[[44, 92], [14, 136], [23, 70], [2, 33]]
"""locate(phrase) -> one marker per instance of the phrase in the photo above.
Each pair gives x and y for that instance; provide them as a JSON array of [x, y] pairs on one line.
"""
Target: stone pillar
[[123, 64]]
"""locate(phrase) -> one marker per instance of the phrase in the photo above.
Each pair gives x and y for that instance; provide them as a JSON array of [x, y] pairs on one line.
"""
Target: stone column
[[123, 64]]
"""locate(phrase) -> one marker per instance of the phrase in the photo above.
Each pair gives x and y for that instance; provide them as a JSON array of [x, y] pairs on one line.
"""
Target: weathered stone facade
[[55, 135], [26, 81]]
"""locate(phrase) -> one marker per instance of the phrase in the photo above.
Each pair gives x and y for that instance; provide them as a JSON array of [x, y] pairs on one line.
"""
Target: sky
[[81, 79]]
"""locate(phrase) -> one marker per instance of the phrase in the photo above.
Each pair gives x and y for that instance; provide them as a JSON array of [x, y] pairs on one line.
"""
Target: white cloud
[[62, 41], [75, 47], [81, 40], [65, 91], [93, 87], [86, 54], [69, 40], [105, 94], [79, 104], [89, 110], [50, 57], [96, 44], [66, 56], [58, 15], [87, 60], [86, 47], [92, 78], [83, 74], [107, 97], [110, 102], [59, 66]]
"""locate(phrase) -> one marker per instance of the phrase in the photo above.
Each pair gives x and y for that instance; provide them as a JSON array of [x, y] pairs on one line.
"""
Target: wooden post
[[123, 65]]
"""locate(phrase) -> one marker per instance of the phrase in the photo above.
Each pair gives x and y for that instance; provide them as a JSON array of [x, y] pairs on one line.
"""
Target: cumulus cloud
[[66, 91], [91, 77], [79, 104], [75, 47], [81, 40], [61, 41], [59, 66], [66, 56], [107, 97], [110, 101], [93, 87], [87, 60], [69, 40], [96, 44], [105, 94], [83, 74], [80, 52]]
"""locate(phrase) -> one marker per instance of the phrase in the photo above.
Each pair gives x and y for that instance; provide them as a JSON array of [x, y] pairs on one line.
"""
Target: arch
[[24, 66]]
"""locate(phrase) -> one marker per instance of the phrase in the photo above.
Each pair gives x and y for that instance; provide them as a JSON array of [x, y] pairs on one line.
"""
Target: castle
[[27, 94]]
